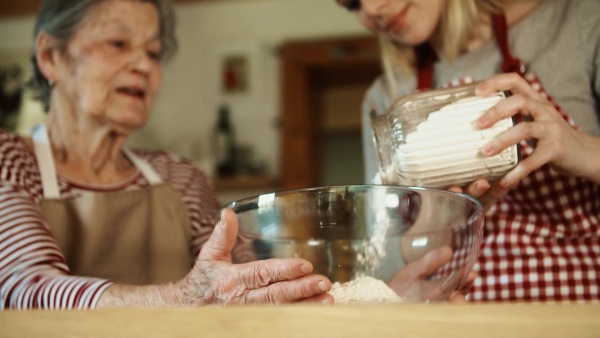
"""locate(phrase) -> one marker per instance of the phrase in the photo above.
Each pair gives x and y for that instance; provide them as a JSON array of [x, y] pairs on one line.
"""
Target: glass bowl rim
[[250, 199]]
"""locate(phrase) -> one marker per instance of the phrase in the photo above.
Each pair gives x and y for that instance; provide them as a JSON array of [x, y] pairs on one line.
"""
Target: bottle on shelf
[[224, 138]]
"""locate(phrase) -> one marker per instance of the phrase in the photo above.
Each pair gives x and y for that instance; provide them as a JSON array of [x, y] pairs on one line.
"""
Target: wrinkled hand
[[215, 280], [410, 282]]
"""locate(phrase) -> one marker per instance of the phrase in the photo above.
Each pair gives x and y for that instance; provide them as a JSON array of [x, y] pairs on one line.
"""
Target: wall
[[186, 108]]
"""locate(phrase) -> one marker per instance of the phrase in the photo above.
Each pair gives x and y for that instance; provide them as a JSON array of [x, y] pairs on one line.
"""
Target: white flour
[[363, 289], [445, 149]]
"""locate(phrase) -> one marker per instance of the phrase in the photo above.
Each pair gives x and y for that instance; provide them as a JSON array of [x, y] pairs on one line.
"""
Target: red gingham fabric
[[542, 240]]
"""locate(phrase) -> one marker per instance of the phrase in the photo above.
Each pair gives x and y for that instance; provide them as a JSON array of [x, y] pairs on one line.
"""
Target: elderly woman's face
[[409, 22], [112, 72]]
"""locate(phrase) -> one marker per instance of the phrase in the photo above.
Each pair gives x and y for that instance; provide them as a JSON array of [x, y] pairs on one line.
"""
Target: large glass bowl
[[349, 232]]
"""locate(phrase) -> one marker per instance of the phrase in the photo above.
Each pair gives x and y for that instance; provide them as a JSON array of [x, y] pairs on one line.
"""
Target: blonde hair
[[457, 27]]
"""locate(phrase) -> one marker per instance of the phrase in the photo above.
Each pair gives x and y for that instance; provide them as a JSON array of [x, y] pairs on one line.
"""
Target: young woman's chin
[[411, 38]]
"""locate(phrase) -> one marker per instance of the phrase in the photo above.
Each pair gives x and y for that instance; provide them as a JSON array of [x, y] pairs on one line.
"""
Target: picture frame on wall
[[237, 71], [234, 74]]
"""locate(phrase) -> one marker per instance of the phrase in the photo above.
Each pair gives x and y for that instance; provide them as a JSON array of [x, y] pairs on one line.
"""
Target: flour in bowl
[[363, 289]]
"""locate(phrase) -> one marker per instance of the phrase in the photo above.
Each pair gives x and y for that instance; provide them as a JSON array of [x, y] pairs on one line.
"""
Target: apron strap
[[43, 154], [510, 64], [426, 56], [45, 159], [149, 173]]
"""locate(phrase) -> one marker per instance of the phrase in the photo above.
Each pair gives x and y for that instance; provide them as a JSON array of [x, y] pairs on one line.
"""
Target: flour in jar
[[363, 289]]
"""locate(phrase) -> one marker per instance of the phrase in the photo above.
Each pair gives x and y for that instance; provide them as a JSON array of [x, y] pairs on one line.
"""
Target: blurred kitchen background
[[291, 72]]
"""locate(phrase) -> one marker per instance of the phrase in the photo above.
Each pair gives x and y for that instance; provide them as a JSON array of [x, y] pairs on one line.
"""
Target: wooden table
[[432, 320]]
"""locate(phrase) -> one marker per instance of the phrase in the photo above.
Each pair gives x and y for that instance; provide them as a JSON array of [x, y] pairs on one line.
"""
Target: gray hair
[[62, 18]]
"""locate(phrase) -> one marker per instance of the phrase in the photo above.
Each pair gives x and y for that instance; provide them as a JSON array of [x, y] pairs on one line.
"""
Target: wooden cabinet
[[307, 68], [18, 8]]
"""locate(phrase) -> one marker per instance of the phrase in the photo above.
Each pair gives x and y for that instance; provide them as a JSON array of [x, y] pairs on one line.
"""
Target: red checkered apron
[[542, 240]]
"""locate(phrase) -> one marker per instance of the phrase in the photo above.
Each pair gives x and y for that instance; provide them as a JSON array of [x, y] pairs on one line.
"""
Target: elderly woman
[[86, 222]]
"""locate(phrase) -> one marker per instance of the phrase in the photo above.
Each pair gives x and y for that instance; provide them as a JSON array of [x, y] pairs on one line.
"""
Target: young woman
[[543, 223]]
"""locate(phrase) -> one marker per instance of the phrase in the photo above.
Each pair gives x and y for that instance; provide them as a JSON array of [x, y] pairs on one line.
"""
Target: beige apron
[[136, 237]]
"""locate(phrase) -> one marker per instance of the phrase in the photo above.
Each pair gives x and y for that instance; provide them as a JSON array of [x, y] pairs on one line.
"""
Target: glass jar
[[430, 139]]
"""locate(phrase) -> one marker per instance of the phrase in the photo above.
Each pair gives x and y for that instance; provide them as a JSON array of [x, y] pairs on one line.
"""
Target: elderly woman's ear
[[47, 56]]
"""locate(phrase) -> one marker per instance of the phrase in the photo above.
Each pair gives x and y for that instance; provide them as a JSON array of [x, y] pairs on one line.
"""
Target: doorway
[[324, 82]]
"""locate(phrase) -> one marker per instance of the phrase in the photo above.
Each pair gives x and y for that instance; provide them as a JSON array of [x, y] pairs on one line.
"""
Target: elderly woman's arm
[[33, 272], [215, 280]]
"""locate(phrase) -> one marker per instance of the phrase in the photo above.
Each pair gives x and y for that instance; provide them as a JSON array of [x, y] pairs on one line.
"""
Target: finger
[[535, 161], [468, 283], [516, 104], [503, 109], [456, 189], [222, 239], [426, 265], [477, 188], [471, 277], [496, 192], [323, 298], [258, 274], [289, 291], [510, 137], [513, 105], [457, 298], [512, 82]]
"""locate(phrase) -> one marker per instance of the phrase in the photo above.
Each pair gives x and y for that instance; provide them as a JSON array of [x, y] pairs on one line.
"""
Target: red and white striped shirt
[[33, 271]]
